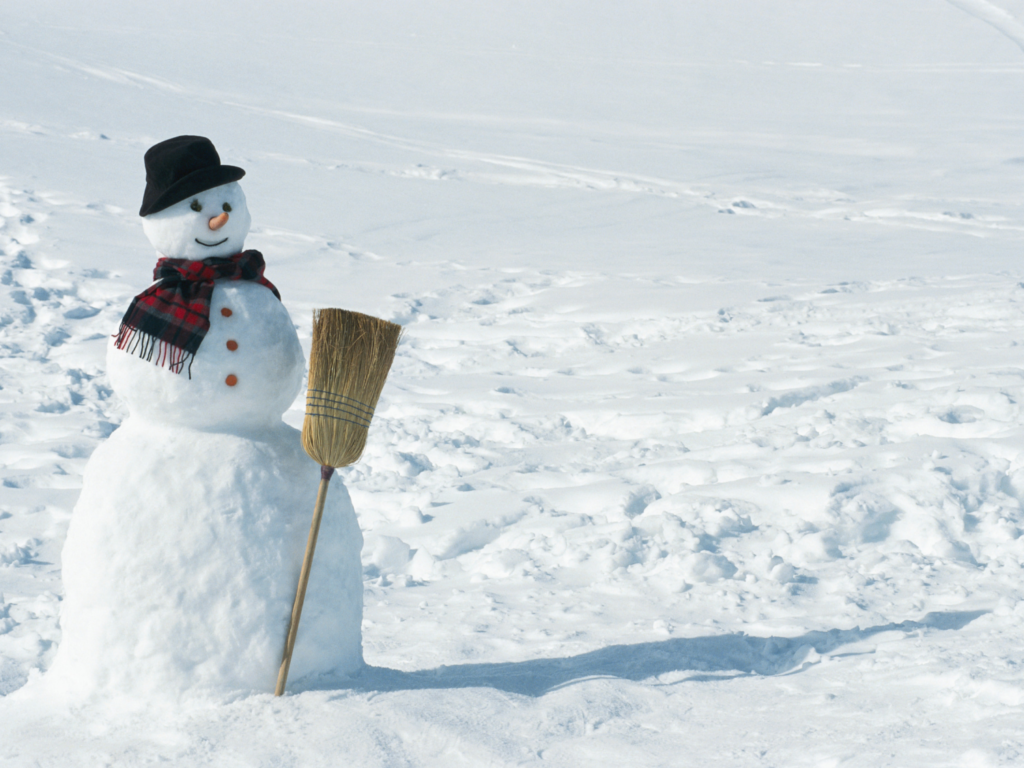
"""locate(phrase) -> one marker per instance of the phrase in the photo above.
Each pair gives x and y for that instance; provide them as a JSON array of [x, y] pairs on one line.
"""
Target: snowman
[[184, 549]]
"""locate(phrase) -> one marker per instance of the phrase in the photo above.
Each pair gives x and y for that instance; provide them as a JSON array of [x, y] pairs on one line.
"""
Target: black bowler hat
[[181, 167]]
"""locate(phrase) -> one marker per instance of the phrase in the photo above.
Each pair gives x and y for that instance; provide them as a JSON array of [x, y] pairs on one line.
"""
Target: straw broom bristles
[[348, 364]]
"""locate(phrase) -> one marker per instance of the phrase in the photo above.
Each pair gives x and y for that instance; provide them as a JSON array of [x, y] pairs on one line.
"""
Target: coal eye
[[196, 206], [226, 207]]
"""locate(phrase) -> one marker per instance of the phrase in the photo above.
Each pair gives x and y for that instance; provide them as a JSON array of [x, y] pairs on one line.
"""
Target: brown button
[[231, 380], [226, 312], [232, 345]]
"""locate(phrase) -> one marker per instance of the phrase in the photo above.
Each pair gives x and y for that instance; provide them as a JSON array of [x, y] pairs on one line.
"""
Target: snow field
[[56, 407], [791, 478], [702, 446], [655, 494]]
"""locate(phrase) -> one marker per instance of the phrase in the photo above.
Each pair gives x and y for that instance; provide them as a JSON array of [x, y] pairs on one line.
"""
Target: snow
[[702, 443], [180, 568]]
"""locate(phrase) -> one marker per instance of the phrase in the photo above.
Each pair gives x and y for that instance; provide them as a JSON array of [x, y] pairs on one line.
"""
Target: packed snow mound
[[181, 562], [256, 344]]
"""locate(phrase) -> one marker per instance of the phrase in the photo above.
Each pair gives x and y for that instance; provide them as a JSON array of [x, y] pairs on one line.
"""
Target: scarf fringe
[[153, 350]]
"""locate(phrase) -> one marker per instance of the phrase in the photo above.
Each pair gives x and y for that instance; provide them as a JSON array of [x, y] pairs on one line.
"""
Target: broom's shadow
[[708, 658]]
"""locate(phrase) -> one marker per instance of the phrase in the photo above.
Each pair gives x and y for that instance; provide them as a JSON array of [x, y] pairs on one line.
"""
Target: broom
[[348, 364]]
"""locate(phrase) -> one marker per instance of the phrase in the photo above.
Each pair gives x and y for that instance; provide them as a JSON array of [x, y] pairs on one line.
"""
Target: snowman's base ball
[[182, 559]]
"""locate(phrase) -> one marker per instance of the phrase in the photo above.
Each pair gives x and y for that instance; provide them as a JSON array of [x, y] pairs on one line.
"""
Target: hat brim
[[193, 184]]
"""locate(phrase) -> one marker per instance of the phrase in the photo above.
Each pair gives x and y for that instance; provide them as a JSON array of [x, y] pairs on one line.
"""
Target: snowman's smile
[[211, 245]]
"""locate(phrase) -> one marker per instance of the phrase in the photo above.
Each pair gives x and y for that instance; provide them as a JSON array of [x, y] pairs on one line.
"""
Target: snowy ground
[[704, 444]]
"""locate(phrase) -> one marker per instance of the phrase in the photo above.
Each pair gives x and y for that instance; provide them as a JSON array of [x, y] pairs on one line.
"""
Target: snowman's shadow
[[708, 658]]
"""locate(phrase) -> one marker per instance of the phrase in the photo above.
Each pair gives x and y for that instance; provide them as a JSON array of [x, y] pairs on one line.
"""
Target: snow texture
[[703, 444]]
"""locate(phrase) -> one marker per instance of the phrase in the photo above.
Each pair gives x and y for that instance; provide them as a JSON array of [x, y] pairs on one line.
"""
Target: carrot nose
[[218, 221]]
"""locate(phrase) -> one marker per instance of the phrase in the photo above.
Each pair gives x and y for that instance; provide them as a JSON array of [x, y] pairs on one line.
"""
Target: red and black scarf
[[167, 322]]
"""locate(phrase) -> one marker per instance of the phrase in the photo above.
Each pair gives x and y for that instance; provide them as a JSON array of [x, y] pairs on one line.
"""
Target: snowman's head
[[210, 223]]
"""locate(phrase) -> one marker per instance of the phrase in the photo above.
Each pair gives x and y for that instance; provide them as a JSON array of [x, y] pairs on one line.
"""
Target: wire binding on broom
[[326, 394], [316, 405]]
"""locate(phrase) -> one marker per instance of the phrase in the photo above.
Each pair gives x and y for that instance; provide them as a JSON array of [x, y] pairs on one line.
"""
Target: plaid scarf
[[167, 322]]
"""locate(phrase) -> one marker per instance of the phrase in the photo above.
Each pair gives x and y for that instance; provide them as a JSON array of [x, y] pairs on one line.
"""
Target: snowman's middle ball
[[183, 231], [255, 344]]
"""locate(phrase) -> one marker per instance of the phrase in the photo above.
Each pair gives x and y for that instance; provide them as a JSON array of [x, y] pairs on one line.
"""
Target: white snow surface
[[703, 444]]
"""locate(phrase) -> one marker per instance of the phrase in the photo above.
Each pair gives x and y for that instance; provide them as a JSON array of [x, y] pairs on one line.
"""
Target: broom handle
[[300, 593]]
